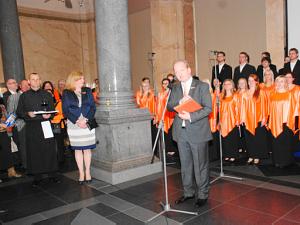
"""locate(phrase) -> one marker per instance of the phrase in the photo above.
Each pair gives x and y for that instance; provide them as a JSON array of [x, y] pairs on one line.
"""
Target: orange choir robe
[[146, 101], [58, 118], [228, 114], [56, 95], [213, 116], [268, 91], [169, 116], [295, 91], [253, 110], [281, 109], [241, 114]]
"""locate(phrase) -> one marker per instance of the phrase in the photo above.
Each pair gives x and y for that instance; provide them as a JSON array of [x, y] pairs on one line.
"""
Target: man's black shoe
[[183, 199], [200, 202], [36, 183], [54, 180]]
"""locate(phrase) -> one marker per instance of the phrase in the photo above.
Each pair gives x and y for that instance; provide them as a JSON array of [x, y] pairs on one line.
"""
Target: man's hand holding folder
[[188, 105]]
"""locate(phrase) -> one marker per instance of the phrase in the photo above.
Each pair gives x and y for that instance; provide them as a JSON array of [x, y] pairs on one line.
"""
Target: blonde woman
[[281, 110], [79, 108], [229, 121]]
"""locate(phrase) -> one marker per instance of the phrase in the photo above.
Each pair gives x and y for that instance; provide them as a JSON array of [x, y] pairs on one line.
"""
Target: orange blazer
[[169, 116]]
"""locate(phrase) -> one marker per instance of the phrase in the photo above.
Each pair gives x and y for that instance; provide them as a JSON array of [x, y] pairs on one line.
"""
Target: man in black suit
[[244, 69], [265, 64], [282, 71], [191, 131], [12, 87], [223, 70], [294, 65]]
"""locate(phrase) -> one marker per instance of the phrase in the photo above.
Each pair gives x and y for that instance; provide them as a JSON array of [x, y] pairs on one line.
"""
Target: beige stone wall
[[275, 30], [55, 44], [140, 46], [232, 26], [53, 48], [167, 36]]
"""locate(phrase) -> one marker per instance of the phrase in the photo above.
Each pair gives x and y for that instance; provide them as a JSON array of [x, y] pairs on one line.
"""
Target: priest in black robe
[[41, 151]]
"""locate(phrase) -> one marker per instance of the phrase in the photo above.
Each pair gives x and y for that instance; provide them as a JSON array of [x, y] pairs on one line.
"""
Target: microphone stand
[[221, 175], [166, 206]]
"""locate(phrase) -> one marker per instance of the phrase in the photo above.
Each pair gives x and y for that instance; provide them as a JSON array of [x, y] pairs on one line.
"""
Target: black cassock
[[41, 152]]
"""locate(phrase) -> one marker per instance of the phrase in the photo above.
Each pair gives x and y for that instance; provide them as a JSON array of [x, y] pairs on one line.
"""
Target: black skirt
[[283, 148], [6, 157], [257, 145], [214, 147], [231, 143]]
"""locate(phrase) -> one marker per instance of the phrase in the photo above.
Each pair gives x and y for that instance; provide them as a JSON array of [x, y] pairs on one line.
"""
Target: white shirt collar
[[188, 83], [12, 92], [242, 66], [221, 66]]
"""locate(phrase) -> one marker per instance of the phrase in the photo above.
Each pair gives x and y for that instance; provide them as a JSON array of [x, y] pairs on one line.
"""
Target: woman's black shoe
[[88, 181], [81, 182]]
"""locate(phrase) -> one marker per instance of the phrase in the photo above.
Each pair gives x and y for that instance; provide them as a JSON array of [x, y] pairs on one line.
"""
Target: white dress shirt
[[220, 67], [292, 64], [186, 86], [242, 67]]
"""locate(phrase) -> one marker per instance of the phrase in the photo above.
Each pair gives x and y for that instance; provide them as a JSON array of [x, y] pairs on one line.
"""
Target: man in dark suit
[[294, 65], [12, 87], [223, 70], [244, 69], [282, 70], [191, 131], [265, 64]]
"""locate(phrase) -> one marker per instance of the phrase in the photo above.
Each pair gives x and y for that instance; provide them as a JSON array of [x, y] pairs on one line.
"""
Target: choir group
[[256, 114]]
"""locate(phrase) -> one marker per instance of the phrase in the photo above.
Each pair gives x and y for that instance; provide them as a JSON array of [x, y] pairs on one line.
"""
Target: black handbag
[[56, 129], [91, 124]]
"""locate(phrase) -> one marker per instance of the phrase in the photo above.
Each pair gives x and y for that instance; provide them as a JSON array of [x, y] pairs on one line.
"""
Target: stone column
[[10, 41], [124, 151]]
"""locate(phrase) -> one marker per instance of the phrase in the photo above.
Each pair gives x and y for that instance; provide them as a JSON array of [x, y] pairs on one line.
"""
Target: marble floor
[[254, 200]]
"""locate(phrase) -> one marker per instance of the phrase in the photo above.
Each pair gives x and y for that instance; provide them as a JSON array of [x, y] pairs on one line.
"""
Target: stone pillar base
[[124, 151], [125, 175]]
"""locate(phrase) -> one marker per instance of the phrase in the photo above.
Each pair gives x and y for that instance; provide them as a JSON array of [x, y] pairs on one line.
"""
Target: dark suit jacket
[[260, 72], [281, 71], [247, 70], [226, 73], [198, 129], [5, 97], [70, 105], [296, 71]]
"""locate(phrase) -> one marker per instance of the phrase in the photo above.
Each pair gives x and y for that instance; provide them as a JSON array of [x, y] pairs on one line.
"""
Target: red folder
[[189, 106]]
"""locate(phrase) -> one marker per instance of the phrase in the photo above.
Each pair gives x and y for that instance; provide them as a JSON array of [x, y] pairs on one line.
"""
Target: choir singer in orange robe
[[229, 121], [282, 111], [254, 115], [168, 119]]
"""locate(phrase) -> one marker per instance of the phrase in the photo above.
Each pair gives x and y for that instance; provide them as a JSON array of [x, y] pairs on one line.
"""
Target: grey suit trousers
[[194, 166]]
